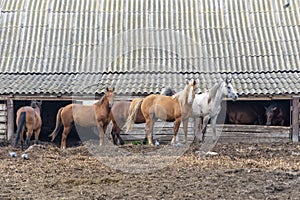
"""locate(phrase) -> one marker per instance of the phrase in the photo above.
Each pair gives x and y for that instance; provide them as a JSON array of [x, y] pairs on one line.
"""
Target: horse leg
[[148, 129], [28, 136], [213, 122], [185, 127], [100, 133], [176, 128], [36, 136], [22, 138], [205, 122], [64, 136], [120, 140]]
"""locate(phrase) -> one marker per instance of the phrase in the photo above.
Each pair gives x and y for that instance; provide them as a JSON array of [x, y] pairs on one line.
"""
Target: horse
[[120, 114], [29, 119], [277, 114], [97, 114], [245, 113], [170, 109], [208, 105]]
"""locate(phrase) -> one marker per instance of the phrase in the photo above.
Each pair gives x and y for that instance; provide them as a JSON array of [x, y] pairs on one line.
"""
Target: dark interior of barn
[[48, 113]]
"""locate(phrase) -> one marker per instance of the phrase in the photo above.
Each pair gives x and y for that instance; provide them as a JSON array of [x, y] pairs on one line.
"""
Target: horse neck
[[183, 98], [216, 93], [215, 103], [102, 102]]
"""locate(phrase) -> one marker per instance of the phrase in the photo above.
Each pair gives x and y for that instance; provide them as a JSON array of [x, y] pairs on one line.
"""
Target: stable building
[[68, 51]]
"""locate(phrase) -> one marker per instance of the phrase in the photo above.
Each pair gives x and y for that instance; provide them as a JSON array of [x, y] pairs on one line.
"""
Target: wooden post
[[295, 120], [10, 119]]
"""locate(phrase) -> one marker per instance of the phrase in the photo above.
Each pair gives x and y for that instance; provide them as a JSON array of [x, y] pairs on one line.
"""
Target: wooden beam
[[295, 120], [10, 119]]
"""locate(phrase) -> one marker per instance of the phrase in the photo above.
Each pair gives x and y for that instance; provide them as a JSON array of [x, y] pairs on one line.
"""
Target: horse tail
[[132, 114], [58, 124], [21, 123]]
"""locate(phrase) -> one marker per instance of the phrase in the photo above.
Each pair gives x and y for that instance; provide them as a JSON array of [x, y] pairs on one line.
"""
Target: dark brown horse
[[277, 114], [97, 114], [245, 113], [171, 109], [120, 113], [29, 120]]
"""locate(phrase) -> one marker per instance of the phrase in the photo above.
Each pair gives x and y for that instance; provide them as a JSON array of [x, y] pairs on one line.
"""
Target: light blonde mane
[[183, 95]]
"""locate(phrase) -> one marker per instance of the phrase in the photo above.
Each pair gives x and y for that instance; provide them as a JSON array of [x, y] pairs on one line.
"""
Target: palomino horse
[[97, 114], [120, 113], [171, 109], [208, 104], [29, 119]]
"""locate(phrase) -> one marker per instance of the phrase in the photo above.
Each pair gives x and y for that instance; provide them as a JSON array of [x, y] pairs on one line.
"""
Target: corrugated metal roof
[[143, 45], [113, 36]]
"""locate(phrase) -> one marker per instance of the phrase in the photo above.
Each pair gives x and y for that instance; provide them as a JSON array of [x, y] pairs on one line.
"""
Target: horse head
[[36, 104], [191, 90], [270, 112], [110, 95], [229, 90]]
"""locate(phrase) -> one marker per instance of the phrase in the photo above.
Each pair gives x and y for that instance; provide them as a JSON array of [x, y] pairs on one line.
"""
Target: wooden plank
[[3, 126], [10, 119], [3, 107], [3, 119], [2, 137], [295, 120]]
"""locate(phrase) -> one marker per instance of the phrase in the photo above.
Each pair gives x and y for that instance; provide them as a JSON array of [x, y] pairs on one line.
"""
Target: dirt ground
[[238, 171]]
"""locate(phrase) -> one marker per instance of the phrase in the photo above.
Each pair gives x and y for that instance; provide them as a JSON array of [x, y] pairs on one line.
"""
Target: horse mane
[[182, 95], [101, 100], [213, 91]]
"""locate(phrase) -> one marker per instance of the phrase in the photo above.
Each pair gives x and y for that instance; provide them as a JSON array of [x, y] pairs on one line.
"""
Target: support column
[[10, 119], [295, 120]]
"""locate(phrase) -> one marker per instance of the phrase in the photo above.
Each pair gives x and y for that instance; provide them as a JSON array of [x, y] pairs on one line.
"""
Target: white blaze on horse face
[[111, 99], [190, 97]]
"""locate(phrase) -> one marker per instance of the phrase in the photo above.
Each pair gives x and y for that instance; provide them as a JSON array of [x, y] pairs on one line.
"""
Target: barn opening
[[254, 112], [48, 113]]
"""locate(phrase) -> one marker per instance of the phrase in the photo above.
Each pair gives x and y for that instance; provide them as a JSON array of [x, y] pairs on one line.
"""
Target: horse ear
[[194, 83], [228, 80], [275, 108], [187, 81]]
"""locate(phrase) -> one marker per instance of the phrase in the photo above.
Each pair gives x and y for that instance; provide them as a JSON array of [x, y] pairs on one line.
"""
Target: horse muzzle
[[235, 97]]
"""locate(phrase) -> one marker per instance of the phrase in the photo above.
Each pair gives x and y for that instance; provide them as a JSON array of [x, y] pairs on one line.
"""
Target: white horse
[[208, 105]]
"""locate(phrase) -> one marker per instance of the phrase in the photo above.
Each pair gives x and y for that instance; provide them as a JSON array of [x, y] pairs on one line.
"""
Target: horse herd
[[167, 106]]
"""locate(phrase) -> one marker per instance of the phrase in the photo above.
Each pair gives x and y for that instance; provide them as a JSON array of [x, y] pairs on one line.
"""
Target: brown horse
[[245, 113], [97, 114], [120, 113], [277, 114], [171, 109], [29, 119]]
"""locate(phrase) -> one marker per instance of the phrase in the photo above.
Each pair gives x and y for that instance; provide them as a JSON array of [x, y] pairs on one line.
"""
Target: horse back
[[164, 107], [84, 115], [119, 112]]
